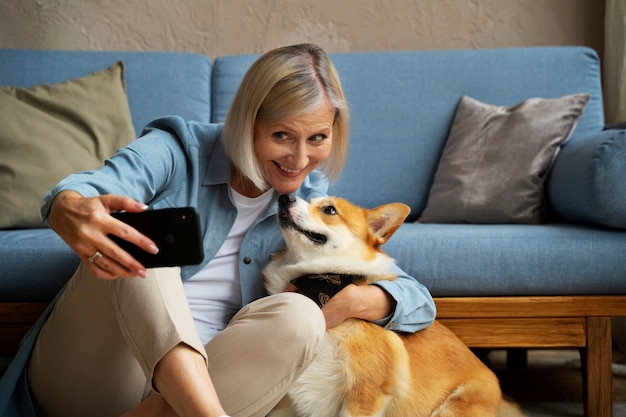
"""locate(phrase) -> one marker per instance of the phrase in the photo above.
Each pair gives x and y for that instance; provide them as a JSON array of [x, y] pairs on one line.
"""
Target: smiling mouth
[[288, 170]]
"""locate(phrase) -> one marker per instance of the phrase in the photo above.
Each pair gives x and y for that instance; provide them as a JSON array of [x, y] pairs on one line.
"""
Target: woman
[[203, 340]]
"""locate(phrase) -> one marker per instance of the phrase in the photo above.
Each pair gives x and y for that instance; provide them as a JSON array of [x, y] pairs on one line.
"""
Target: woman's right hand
[[84, 223]]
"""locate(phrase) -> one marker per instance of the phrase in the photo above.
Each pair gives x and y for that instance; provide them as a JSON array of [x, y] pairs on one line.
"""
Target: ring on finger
[[95, 257]]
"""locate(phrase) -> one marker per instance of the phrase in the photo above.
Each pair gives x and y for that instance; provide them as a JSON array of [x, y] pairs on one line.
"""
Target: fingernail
[[141, 206], [153, 249], [142, 273]]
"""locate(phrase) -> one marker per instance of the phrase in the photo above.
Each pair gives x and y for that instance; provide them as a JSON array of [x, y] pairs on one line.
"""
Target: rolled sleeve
[[415, 308]]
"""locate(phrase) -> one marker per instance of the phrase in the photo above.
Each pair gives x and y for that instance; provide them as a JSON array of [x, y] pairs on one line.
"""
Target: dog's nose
[[287, 200]]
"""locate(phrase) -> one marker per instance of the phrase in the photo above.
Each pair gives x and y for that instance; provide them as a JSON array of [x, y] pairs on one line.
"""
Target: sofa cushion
[[588, 181], [496, 159], [34, 264], [50, 131], [511, 259]]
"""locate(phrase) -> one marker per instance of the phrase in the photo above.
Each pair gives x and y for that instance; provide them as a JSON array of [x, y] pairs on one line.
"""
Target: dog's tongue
[[322, 287]]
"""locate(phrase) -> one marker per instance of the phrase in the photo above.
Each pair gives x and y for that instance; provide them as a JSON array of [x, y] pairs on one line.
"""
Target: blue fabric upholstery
[[402, 105], [588, 181], [227, 75], [486, 260], [35, 264]]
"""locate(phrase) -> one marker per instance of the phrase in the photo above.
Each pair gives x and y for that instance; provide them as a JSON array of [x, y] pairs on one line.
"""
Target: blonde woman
[[204, 340]]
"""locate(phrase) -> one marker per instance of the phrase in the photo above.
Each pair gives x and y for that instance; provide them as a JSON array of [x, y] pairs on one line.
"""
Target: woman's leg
[[264, 349], [254, 361], [97, 352]]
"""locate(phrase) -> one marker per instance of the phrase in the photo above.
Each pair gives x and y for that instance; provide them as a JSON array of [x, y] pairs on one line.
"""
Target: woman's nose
[[299, 156]]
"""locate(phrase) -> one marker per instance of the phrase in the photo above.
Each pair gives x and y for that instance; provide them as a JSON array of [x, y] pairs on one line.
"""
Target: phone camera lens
[[183, 218]]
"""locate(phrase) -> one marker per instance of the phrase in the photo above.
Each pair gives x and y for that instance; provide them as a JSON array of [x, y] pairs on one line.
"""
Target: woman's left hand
[[367, 302]]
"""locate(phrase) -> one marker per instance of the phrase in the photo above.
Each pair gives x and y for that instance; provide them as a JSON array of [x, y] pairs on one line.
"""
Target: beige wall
[[218, 27]]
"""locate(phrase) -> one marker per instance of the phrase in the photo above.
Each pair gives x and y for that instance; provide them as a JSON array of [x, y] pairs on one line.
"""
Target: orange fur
[[430, 373]]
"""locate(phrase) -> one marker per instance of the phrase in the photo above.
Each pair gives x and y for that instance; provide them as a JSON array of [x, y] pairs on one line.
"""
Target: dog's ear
[[385, 220]]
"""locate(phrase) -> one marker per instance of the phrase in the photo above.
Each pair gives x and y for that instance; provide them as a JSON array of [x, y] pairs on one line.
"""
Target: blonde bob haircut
[[285, 82]]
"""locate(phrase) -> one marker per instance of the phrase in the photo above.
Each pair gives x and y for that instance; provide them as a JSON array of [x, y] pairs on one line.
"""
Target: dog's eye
[[330, 210]]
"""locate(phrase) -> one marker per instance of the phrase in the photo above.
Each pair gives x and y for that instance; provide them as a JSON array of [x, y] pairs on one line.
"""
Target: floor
[[548, 386]]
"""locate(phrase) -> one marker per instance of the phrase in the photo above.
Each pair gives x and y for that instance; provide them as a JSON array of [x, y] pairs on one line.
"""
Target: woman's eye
[[330, 210], [317, 138], [280, 135]]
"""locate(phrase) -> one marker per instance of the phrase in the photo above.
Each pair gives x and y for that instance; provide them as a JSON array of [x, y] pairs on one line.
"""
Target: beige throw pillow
[[50, 131], [496, 160]]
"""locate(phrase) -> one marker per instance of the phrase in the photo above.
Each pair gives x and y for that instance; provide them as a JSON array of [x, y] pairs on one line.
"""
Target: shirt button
[[247, 260]]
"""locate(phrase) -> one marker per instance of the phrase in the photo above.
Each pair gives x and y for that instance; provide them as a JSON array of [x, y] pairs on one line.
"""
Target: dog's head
[[331, 235], [331, 226]]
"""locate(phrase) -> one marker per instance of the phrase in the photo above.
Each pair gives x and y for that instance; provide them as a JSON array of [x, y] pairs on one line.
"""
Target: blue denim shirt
[[175, 164]]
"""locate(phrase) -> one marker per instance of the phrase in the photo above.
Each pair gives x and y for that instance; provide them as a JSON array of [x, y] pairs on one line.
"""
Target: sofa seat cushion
[[511, 260], [450, 259], [34, 265]]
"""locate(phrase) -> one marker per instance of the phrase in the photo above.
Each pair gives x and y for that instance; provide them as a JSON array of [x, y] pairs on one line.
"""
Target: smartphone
[[175, 231]]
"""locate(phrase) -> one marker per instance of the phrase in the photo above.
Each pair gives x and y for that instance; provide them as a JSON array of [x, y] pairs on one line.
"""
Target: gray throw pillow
[[50, 131], [496, 160]]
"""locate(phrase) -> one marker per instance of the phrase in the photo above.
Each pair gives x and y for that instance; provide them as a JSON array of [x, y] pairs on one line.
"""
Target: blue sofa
[[496, 285]]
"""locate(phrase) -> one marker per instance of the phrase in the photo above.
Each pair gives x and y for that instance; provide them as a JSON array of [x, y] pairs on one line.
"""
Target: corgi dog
[[363, 369]]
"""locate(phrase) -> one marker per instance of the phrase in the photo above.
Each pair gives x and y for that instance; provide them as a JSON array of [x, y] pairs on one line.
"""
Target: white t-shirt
[[214, 293]]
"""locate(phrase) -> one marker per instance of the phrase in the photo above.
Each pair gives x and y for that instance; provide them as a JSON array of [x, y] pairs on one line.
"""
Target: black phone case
[[176, 232]]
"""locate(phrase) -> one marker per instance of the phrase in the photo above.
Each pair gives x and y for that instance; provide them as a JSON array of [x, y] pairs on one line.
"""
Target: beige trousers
[[96, 354]]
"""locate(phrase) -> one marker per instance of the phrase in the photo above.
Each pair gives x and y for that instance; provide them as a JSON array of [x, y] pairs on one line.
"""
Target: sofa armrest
[[587, 183]]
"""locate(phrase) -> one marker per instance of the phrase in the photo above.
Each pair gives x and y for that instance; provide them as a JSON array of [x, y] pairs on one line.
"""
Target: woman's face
[[289, 149]]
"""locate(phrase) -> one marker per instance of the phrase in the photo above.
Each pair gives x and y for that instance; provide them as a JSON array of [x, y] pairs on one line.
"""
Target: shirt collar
[[218, 166]]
